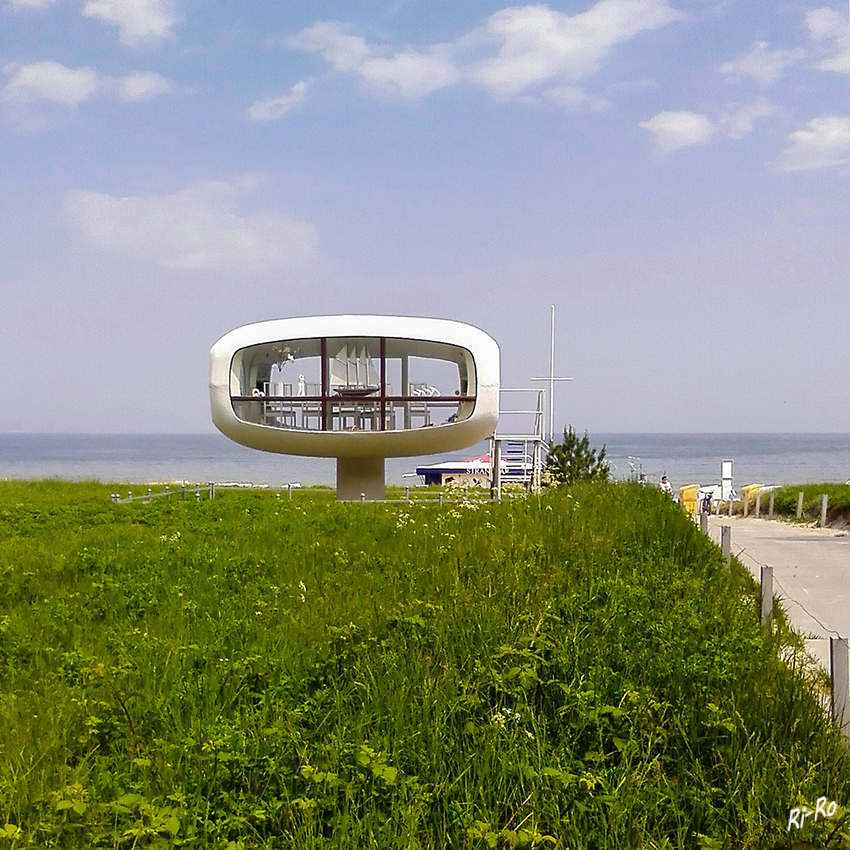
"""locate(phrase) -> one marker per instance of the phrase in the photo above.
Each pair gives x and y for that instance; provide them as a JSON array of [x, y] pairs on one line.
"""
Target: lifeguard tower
[[357, 388]]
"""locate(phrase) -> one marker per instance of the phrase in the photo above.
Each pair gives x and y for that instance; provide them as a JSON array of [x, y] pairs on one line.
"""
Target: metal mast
[[551, 379]]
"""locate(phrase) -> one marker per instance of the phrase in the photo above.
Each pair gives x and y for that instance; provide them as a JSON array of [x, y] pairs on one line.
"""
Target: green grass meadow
[[575, 670]]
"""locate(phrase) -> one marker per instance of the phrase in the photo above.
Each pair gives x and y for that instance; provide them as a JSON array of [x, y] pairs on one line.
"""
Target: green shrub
[[573, 460]]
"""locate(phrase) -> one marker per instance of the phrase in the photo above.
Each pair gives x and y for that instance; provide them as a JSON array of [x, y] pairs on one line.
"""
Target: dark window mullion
[[324, 355], [382, 426]]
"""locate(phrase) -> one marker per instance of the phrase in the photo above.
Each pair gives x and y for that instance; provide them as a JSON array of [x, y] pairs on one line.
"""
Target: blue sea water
[[757, 458], [685, 458]]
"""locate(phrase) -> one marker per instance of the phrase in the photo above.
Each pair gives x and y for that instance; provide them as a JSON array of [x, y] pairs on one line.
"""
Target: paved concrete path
[[811, 573]]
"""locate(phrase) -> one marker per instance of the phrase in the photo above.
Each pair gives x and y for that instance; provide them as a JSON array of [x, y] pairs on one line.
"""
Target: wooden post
[[726, 545], [703, 522], [407, 493], [289, 491], [770, 503], [182, 492], [746, 504], [799, 504], [212, 489], [729, 505], [766, 593], [839, 668], [758, 504], [824, 501]]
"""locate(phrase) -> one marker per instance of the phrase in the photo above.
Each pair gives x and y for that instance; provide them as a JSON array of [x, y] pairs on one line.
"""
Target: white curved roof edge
[[401, 443], [397, 327]]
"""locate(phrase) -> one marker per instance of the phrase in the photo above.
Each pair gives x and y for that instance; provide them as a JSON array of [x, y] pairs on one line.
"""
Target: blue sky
[[673, 176]]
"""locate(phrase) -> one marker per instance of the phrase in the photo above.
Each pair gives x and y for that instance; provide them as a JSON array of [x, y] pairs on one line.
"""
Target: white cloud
[[831, 31], [763, 65], [575, 99], [676, 130], [195, 228], [840, 62], [50, 81], [37, 93], [141, 22], [824, 143], [405, 73], [409, 73], [142, 85], [529, 45], [345, 52], [273, 108], [537, 43], [825, 24], [738, 122]]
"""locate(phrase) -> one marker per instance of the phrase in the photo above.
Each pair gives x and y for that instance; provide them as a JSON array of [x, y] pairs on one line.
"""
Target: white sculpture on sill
[[446, 376]]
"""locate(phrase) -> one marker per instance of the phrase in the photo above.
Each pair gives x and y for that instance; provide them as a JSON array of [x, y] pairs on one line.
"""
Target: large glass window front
[[352, 384]]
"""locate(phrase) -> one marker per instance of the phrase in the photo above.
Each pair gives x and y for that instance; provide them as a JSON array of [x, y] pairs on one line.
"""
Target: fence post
[[729, 505], [766, 593], [289, 491], [130, 496], [770, 503], [198, 493], [758, 504], [703, 522], [182, 492], [212, 489], [407, 493], [441, 499], [167, 493], [746, 504], [799, 504], [726, 545], [824, 501], [839, 669]]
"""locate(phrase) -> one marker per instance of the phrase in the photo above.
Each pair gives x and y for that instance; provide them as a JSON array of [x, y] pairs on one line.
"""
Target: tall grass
[[576, 670], [838, 509]]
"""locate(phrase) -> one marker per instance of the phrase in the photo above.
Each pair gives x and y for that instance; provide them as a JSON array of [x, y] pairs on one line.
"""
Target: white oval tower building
[[357, 388]]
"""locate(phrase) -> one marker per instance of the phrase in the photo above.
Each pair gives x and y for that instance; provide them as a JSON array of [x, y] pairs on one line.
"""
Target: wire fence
[[197, 492]]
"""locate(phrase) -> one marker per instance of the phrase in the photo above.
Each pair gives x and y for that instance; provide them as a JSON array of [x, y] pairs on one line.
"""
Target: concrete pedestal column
[[359, 475]]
